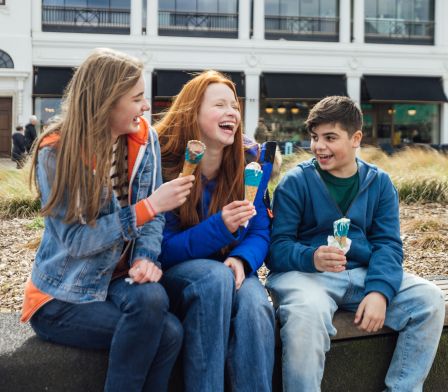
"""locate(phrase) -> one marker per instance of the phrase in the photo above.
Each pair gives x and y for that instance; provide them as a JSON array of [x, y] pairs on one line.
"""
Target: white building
[[284, 55]]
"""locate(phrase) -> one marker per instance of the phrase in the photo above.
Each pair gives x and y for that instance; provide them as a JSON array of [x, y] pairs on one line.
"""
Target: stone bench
[[357, 361]]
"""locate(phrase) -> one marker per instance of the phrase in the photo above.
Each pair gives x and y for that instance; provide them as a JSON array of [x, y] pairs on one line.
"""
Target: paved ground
[[7, 163]]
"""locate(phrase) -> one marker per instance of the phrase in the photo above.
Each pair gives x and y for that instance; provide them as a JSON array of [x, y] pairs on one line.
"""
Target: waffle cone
[[250, 192], [342, 240], [188, 168]]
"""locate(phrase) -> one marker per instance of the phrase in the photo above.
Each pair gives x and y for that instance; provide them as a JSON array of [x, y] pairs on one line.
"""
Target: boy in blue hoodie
[[310, 280]]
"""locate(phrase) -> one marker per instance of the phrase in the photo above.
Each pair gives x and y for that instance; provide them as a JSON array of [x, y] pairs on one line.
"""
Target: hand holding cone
[[193, 154]]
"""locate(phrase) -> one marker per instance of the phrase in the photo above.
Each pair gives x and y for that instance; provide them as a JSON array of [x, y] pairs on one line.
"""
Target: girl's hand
[[329, 259], [144, 271], [172, 194], [237, 266], [236, 214]]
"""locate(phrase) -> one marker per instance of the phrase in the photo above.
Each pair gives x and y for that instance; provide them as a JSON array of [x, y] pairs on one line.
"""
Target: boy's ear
[[356, 139]]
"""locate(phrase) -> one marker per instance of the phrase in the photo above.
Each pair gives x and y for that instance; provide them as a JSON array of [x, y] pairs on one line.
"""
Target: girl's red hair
[[177, 127]]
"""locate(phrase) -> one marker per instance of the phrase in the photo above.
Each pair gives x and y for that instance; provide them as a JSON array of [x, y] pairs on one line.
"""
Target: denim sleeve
[[286, 251], [199, 241], [385, 271], [254, 246], [82, 240], [148, 244]]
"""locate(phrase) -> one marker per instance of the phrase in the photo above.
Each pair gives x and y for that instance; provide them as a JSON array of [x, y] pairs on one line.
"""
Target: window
[[5, 58], [400, 21], [316, 20], [201, 18]]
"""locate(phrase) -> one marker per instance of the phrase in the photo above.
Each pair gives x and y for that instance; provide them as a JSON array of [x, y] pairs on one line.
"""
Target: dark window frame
[[6, 60]]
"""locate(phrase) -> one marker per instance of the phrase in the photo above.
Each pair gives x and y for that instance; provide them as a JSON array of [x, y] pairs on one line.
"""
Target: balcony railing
[[402, 31], [198, 24], [302, 28], [85, 20]]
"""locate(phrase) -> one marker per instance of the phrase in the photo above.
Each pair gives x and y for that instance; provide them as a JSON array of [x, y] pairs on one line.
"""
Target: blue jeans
[[306, 303], [133, 323], [227, 332]]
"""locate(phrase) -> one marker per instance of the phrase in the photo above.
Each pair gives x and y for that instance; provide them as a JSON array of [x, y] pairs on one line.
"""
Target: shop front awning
[[302, 86], [402, 89], [51, 81], [169, 83]]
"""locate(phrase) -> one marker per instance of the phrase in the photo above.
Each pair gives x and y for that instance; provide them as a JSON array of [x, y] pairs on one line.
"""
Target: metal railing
[[393, 30], [85, 19], [198, 23], [302, 27]]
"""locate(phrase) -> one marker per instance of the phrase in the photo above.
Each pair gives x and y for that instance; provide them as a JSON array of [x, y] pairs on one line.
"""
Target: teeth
[[227, 124]]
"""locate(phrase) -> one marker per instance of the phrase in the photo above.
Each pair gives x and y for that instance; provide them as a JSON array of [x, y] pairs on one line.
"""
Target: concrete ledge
[[29, 364], [356, 362]]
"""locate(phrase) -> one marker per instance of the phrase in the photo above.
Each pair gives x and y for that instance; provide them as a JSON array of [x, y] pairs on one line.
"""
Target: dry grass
[[16, 198], [430, 241], [420, 175], [419, 225]]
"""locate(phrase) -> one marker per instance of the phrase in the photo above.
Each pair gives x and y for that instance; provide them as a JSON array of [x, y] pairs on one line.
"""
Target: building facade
[[284, 55]]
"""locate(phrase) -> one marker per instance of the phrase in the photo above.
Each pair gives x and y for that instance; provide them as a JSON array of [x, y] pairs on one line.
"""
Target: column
[[148, 91], [258, 19], [243, 19], [152, 18], [136, 17], [252, 105], [358, 21], [444, 115], [20, 118], [440, 28], [36, 15], [344, 21], [354, 87]]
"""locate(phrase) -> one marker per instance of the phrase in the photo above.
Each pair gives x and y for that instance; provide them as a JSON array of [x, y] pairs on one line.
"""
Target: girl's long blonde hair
[[179, 125], [84, 147]]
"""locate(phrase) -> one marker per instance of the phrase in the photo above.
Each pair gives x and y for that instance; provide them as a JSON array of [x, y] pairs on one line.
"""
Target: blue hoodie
[[304, 213], [207, 238]]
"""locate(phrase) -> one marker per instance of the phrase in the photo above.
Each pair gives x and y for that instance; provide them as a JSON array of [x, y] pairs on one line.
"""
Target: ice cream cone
[[340, 229], [188, 168], [193, 155], [250, 192], [252, 178]]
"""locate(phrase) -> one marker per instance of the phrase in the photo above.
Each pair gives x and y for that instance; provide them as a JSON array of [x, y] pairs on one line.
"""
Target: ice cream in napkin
[[193, 154], [340, 238]]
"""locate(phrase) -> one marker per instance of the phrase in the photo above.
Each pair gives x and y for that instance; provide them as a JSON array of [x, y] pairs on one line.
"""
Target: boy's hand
[[371, 312], [329, 259], [236, 214]]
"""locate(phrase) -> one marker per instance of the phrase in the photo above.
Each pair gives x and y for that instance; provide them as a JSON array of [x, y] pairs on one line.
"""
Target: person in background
[[18, 147], [213, 245], [94, 282], [30, 133], [262, 133]]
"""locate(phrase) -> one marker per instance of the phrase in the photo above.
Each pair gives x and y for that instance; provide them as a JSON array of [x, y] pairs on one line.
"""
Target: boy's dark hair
[[335, 109], [19, 128]]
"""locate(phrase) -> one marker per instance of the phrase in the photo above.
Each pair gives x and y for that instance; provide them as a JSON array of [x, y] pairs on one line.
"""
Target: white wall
[[252, 56], [15, 39]]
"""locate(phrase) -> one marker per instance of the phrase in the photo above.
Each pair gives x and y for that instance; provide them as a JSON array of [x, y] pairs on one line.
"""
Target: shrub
[[19, 207]]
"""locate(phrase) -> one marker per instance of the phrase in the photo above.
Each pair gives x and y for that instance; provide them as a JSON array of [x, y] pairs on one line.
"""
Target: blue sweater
[[304, 213], [209, 236]]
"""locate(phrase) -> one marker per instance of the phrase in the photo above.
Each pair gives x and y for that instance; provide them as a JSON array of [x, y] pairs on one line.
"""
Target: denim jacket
[[75, 262]]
